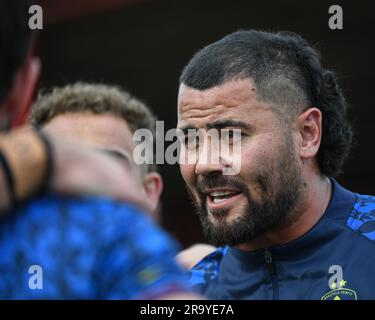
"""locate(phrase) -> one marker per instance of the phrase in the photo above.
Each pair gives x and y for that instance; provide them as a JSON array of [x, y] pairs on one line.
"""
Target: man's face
[[236, 209], [104, 132]]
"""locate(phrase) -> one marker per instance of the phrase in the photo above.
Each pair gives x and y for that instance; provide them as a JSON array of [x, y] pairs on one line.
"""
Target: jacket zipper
[[270, 264]]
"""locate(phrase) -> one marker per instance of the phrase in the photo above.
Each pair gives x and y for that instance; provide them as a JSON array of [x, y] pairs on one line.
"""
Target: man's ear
[[310, 129], [22, 92], [153, 184]]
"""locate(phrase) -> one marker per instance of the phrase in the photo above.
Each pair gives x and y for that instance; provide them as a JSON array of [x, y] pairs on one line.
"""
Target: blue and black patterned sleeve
[[362, 217], [206, 270]]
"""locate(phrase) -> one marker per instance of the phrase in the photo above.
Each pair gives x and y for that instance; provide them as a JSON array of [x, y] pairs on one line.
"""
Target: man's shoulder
[[92, 237], [84, 208], [96, 219], [58, 201], [362, 217], [354, 213], [208, 268]]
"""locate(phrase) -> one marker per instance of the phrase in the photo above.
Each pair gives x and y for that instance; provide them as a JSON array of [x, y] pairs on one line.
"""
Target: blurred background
[[142, 45]]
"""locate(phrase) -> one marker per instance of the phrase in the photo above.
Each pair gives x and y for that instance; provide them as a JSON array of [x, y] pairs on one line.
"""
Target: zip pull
[[269, 262]]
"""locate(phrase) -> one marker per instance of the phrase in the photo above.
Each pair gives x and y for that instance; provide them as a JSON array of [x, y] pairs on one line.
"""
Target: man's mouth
[[221, 199]]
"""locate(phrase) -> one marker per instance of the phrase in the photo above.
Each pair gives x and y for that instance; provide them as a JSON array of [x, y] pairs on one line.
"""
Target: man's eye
[[231, 135]]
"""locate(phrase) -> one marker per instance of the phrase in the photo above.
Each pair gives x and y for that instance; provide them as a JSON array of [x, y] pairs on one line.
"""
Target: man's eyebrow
[[116, 153], [221, 124], [185, 129]]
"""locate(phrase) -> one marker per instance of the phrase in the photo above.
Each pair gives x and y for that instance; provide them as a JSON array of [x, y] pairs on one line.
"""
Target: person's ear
[[310, 130], [153, 185], [22, 92]]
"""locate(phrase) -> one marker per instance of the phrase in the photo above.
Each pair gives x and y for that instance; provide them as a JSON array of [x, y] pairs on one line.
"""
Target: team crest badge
[[338, 286]]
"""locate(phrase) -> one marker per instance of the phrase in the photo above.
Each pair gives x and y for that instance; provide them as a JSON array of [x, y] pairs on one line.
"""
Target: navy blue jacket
[[334, 260]]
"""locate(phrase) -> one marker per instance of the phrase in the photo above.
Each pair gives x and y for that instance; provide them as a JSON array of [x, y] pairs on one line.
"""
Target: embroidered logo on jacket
[[337, 284]]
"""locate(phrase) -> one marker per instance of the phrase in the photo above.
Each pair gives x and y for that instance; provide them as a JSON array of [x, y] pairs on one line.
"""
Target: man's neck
[[308, 212]]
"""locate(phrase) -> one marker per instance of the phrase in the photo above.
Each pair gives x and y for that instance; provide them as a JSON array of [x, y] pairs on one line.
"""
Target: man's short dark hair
[[15, 38], [287, 73]]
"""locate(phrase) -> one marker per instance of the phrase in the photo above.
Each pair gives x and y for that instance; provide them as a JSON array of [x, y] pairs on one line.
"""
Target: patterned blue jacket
[[86, 248]]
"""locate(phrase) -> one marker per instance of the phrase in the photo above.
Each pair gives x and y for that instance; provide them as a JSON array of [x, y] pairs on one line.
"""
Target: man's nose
[[207, 168], [209, 159]]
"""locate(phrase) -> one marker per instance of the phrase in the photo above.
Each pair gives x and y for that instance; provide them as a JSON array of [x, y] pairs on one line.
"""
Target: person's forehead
[[230, 92], [88, 120], [234, 99], [97, 129]]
